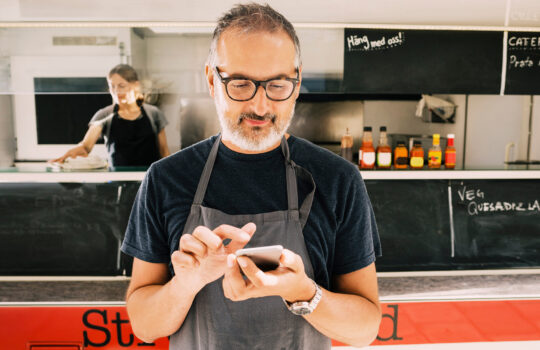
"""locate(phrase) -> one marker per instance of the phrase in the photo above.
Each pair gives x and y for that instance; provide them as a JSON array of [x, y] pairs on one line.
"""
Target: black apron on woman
[[132, 142], [215, 322]]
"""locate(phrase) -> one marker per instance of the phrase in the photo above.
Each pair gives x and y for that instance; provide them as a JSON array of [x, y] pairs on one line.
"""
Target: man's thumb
[[291, 260]]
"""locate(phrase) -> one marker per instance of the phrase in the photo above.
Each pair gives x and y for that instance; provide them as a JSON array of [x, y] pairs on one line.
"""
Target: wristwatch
[[305, 307]]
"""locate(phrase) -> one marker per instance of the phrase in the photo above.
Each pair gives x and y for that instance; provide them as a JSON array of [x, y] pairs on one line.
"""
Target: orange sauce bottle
[[417, 155], [366, 154], [401, 156]]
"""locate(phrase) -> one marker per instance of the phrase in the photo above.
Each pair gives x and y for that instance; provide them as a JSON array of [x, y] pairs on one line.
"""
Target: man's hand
[[202, 256], [288, 281]]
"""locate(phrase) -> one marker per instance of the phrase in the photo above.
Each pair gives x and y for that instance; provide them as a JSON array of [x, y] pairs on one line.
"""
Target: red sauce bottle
[[450, 153]]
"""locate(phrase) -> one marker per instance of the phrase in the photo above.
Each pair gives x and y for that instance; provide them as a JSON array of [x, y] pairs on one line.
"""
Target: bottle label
[[384, 159], [402, 160], [368, 158], [434, 157], [417, 162], [450, 158]]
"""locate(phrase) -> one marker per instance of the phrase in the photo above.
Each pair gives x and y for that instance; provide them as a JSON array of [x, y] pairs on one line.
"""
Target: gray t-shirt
[[104, 117]]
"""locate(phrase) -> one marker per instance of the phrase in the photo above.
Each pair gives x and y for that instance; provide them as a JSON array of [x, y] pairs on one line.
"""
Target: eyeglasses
[[244, 89]]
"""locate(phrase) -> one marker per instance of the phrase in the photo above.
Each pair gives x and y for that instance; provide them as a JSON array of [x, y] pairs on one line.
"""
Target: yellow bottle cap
[[436, 139]]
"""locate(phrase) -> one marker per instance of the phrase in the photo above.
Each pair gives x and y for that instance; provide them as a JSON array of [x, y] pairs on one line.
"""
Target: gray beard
[[233, 133]]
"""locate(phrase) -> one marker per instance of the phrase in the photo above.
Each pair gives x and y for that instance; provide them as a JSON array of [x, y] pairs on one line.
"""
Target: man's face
[[257, 124]]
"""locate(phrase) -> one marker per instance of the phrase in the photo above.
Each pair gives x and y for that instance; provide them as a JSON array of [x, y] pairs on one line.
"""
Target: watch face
[[305, 307], [301, 308]]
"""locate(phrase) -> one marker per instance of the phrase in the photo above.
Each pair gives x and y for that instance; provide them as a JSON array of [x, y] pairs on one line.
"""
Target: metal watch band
[[305, 307]]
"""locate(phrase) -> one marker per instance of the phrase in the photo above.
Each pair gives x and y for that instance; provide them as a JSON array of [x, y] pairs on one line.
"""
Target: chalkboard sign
[[497, 222], [422, 61], [522, 63], [489, 224], [64, 229], [413, 221]]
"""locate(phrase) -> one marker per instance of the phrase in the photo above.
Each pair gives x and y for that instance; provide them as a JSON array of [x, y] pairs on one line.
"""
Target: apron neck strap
[[291, 172], [207, 172], [292, 190]]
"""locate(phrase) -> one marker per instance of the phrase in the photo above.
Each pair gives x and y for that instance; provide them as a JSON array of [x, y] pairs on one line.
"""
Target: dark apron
[[132, 142], [215, 322]]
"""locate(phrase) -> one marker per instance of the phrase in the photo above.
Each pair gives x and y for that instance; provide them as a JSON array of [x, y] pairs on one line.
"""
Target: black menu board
[[422, 61], [497, 222], [413, 221], [457, 224], [522, 63], [64, 228]]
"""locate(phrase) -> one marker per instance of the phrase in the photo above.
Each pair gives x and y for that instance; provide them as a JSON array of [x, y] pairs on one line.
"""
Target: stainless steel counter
[[39, 172], [393, 287]]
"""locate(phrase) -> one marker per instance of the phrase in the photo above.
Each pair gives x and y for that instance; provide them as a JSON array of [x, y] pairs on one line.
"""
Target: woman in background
[[133, 131]]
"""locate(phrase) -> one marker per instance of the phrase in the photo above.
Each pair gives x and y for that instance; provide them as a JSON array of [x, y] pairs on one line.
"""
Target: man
[[254, 185]]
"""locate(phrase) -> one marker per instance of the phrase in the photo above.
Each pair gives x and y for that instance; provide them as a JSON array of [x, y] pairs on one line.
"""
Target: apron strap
[[290, 175], [207, 172], [291, 169], [305, 208]]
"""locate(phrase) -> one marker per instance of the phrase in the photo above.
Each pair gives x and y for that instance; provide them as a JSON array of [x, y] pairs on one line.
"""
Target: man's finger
[[255, 275], [291, 260], [208, 237], [233, 278], [190, 244], [184, 260], [238, 237]]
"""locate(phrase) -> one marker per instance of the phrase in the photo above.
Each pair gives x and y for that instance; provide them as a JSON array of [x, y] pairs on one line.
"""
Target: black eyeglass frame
[[258, 83]]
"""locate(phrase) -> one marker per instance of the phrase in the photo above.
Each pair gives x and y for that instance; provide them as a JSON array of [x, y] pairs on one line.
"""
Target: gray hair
[[248, 18]]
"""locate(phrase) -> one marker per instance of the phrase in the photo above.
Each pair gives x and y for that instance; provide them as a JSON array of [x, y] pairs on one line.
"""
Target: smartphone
[[266, 258]]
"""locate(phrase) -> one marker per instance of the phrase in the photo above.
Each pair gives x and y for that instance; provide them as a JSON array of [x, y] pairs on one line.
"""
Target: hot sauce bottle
[[366, 154], [435, 153], [384, 151], [450, 153], [401, 156], [417, 155]]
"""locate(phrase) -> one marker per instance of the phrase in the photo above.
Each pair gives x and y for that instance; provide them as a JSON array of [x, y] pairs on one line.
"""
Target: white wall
[[458, 12], [138, 54], [7, 141], [176, 65], [178, 62], [322, 50], [535, 139], [7, 136], [493, 122], [39, 41]]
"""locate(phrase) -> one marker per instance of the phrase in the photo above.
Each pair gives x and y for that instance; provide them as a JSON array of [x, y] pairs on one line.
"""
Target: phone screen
[[266, 258]]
